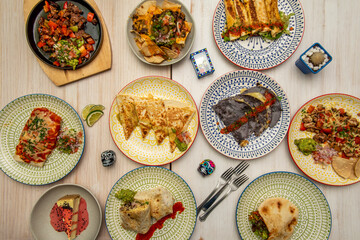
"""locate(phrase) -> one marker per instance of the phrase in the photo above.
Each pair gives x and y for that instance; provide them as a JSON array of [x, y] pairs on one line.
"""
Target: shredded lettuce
[[285, 20]]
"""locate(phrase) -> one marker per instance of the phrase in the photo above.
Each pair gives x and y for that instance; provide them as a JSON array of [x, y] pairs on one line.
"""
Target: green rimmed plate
[[314, 212], [12, 121], [144, 178]]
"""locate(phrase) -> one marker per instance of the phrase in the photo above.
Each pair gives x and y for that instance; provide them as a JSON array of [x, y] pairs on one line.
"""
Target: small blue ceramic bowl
[[304, 67]]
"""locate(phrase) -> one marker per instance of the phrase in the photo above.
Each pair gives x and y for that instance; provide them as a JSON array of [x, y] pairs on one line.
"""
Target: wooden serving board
[[100, 63]]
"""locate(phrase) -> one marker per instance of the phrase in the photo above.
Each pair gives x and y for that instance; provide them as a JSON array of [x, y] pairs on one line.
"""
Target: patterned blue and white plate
[[231, 84], [314, 211], [255, 53]]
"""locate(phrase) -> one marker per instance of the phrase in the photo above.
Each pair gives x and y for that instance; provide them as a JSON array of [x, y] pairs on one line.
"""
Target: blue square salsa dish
[[202, 63], [314, 59]]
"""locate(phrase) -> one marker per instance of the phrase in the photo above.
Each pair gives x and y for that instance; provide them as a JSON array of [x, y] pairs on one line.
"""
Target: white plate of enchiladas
[[258, 35], [30, 129], [154, 120], [144, 179]]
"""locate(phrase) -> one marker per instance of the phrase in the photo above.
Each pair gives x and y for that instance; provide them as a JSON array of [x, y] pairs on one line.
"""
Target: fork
[[223, 180], [234, 185], [239, 169]]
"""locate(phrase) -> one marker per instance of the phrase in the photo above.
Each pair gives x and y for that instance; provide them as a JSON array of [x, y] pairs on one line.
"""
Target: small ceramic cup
[[304, 63]]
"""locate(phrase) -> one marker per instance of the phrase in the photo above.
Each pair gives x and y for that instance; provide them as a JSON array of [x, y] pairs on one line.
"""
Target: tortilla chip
[[143, 9], [344, 167], [171, 6], [357, 168]]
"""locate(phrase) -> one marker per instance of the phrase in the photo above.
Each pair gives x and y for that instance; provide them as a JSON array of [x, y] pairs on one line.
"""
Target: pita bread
[[178, 116], [157, 116], [344, 167], [127, 114], [280, 217]]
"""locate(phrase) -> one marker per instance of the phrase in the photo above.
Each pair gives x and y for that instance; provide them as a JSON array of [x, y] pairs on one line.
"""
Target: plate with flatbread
[[291, 206], [255, 20], [153, 120]]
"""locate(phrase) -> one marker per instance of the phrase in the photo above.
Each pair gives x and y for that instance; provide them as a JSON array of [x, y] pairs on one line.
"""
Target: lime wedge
[[97, 108], [86, 110], [93, 117]]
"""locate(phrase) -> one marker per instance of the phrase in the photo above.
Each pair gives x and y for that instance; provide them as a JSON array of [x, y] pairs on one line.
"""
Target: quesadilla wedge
[[143, 115], [280, 217], [157, 116], [127, 114], [178, 116]]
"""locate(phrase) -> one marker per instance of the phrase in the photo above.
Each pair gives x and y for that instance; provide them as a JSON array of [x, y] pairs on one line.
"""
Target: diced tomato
[[342, 111], [46, 7], [340, 140], [339, 129], [56, 63], [89, 47], [61, 14], [46, 37], [50, 42], [343, 155], [83, 51], [357, 140], [180, 137], [90, 17], [90, 40], [302, 127], [41, 44], [310, 109], [65, 5], [72, 35], [72, 54], [327, 130], [80, 61], [320, 123], [52, 24], [64, 31], [87, 56]]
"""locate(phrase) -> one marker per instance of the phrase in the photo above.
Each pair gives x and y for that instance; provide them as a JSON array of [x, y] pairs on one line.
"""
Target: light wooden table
[[333, 23]]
